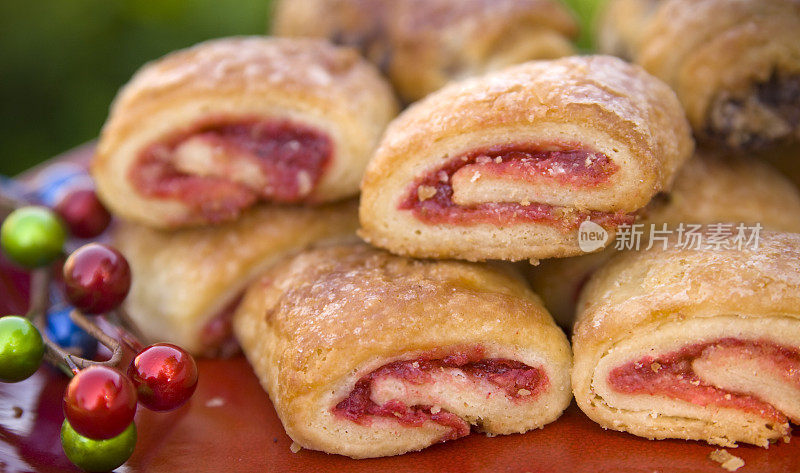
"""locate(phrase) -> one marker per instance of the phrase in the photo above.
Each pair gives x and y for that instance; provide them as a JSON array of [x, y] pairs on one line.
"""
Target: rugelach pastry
[[187, 283], [735, 64], [423, 44], [201, 134], [367, 354], [694, 344], [509, 165], [710, 188]]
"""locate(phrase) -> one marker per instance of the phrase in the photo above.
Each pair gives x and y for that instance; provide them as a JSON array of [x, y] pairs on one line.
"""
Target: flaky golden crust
[[318, 322], [719, 56], [423, 44], [597, 103], [657, 301], [183, 279], [709, 189], [306, 82]]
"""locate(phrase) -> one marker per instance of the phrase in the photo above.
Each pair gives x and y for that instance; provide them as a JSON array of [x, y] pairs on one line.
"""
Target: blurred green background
[[62, 61]]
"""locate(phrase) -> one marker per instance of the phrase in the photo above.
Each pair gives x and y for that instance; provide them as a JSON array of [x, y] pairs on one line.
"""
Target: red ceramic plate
[[230, 425]]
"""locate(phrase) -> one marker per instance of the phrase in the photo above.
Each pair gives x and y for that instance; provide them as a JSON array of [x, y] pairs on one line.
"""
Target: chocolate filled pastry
[[423, 44], [694, 344], [711, 188], [367, 354], [202, 134], [187, 283], [735, 64], [511, 164]]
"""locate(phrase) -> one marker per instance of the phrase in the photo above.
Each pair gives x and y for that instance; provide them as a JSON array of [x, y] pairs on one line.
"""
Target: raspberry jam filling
[[672, 375], [220, 167], [518, 381], [216, 336], [431, 197]]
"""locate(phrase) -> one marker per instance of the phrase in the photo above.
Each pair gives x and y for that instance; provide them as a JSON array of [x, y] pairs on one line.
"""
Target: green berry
[[32, 236], [21, 348], [97, 455]]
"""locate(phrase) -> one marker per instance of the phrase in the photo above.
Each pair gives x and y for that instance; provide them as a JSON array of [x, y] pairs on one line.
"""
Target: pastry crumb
[[726, 460], [475, 176], [215, 402], [425, 192], [523, 392], [655, 367], [436, 409], [295, 447]]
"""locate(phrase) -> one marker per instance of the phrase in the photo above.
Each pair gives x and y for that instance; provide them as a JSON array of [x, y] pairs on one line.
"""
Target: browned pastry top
[[420, 16], [345, 305], [250, 65], [421, 44], [668, 284], [601, 91]]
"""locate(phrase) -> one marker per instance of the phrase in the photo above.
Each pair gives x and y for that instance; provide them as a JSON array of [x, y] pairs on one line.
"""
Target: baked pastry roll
[[710, 188], [367, 354], [203, 133], [694, 344], [187, 283], [509, 165], [735, 64], [423, 44]]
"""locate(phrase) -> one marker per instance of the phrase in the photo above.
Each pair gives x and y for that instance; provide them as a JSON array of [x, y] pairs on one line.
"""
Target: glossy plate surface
[[230, 425]]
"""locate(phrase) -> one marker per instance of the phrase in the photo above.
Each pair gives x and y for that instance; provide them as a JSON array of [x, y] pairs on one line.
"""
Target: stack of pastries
[[235, 166], [224, 157]]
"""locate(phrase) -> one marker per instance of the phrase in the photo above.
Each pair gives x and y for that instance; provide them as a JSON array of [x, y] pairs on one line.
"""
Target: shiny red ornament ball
[[83, 213], [165, 376], [97, 278], [100, 402]]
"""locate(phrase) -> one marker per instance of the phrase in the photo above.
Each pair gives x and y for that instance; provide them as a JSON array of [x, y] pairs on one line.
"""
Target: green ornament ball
[[21, 348], [97, 455], [32, 236]]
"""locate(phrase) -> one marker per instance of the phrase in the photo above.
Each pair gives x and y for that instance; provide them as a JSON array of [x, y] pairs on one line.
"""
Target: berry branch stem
[[37, 311], [125, 333]]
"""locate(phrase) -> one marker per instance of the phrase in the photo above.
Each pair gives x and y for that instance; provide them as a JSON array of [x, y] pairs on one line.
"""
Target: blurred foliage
[[62, 61], [587, 11]]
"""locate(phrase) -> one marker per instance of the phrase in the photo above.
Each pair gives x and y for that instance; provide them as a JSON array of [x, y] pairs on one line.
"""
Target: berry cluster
[[98, 433]]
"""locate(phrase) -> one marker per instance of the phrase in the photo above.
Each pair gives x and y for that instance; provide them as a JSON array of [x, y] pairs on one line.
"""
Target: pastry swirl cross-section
[[368, 354], [694, 344], [204, 133], [735, 64], [509, 165]]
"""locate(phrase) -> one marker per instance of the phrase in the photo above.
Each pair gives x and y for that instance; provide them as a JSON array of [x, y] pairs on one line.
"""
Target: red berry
[[83, 213], [100, 402], [97, 278], [165, 376]]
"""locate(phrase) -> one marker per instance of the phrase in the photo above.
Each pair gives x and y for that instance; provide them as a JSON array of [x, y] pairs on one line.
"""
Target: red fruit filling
[[216, 337], [672, 375], [275, 160], [518, 380], [430, 198]]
